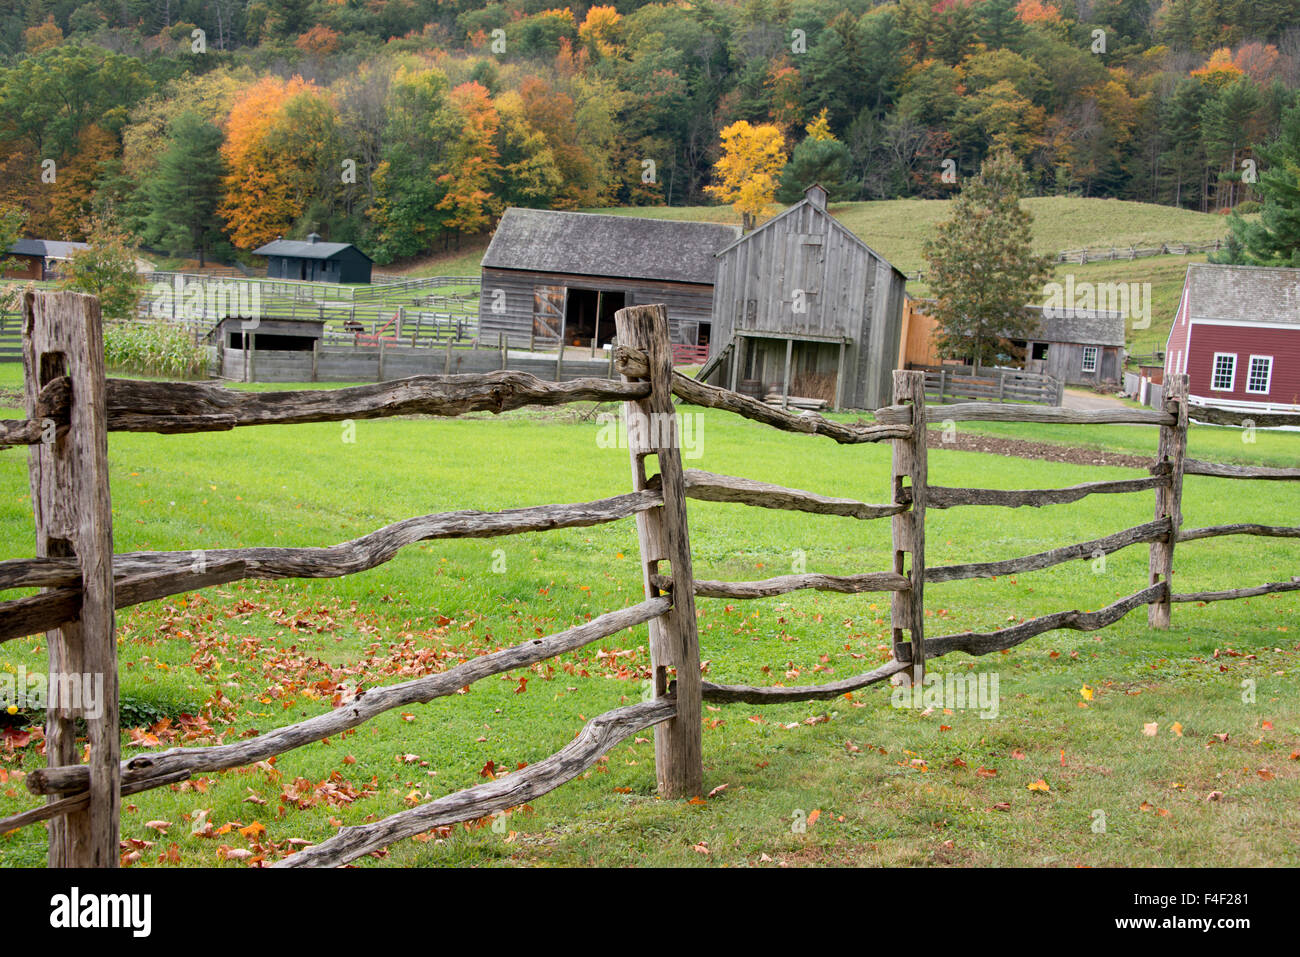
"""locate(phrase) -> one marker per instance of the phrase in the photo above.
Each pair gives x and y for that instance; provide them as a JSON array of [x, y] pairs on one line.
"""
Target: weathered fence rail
[[945, 383], [71, 407]]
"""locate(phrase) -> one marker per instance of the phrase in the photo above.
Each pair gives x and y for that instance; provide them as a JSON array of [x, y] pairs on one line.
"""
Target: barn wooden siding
[[849, 295], [1065, 362], [688, 304]]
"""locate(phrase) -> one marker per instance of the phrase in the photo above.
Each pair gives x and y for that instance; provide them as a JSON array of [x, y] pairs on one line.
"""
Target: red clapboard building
[[1237, 336]]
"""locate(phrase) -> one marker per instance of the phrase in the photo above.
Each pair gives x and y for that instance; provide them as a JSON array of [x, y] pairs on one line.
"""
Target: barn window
[[1260, 376], [1090, 358], [1040, 350], [1225, 371]]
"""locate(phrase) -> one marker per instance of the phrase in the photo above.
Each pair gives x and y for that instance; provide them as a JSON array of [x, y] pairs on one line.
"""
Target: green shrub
[[1247, 207], [154, 348]]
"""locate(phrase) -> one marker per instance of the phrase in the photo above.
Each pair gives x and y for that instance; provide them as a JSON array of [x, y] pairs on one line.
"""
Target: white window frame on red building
[[1214, 372], [1268, 379]]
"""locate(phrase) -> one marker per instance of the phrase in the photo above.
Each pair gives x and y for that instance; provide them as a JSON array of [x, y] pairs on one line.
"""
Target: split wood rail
[[71, 407]]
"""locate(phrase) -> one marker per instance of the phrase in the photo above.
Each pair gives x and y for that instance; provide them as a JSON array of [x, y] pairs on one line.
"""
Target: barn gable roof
[[1245, 294], [1089, 327], [835, 225], [307, 249], [598, 244]]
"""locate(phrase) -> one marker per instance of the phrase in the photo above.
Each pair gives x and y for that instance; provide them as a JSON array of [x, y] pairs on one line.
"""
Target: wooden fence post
[[1169, 498], [73, 515], [910, 463], [662, 534]]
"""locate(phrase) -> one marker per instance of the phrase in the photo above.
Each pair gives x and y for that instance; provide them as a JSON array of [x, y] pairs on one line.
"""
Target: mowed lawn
[[851, 781]]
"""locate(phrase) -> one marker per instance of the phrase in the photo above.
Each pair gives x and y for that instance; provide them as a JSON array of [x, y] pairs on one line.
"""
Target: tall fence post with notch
[[73, 515], [1169, 498], [910, 468], [652, 430]]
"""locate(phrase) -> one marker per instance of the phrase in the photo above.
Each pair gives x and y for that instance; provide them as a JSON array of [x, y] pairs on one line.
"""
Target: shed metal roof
[[1243, 294], [598, 244], [300, 249]]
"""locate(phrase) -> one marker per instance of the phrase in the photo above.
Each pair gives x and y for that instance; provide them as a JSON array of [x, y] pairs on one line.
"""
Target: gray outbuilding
[[552, 275], [804, 307], [1076, 346]]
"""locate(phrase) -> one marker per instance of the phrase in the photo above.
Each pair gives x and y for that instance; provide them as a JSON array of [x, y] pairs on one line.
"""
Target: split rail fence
[[71, 407], [999, 385]]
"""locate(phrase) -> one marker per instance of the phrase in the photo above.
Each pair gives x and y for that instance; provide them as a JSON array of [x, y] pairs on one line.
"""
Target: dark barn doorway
[[589, 315]]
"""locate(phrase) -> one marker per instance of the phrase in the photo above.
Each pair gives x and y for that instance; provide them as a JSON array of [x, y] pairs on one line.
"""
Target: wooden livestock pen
[[804, 307], [551, 277], [71, 408]]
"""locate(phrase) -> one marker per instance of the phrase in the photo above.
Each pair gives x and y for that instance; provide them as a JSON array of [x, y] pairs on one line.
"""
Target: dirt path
[[1083, 399], [1019, 448]]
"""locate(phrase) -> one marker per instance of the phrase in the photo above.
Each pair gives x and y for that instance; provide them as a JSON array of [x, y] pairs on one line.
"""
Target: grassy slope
[[302, 485]]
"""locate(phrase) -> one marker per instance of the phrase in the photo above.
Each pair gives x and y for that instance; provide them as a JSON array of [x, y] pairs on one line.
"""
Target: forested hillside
[[406, 124]]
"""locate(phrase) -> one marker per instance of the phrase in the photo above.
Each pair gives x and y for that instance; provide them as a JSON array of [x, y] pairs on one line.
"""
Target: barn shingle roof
[[1243, 293], [597, 244], [1089, 327]]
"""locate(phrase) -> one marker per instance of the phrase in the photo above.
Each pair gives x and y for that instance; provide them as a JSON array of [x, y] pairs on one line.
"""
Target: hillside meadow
[[1125, 722]]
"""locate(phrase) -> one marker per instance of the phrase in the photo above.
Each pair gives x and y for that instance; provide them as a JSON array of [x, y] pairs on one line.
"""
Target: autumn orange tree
[[553, 114], [749, 168], [278, 145], [473, 161]]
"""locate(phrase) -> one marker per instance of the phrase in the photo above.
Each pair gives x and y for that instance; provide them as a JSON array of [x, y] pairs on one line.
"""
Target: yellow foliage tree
[[820, 127], [749, 168], [603, 31], [1219, 70]]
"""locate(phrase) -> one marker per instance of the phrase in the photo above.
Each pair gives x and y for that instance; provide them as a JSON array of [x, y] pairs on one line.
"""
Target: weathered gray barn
[[804, 306], [551, 275], [315, 261], [1076, 346]]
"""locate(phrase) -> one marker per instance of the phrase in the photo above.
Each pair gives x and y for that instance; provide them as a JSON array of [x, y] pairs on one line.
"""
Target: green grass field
[[888, 785]]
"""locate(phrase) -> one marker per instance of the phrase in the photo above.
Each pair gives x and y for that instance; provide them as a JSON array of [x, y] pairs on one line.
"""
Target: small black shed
[[315, 261]]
